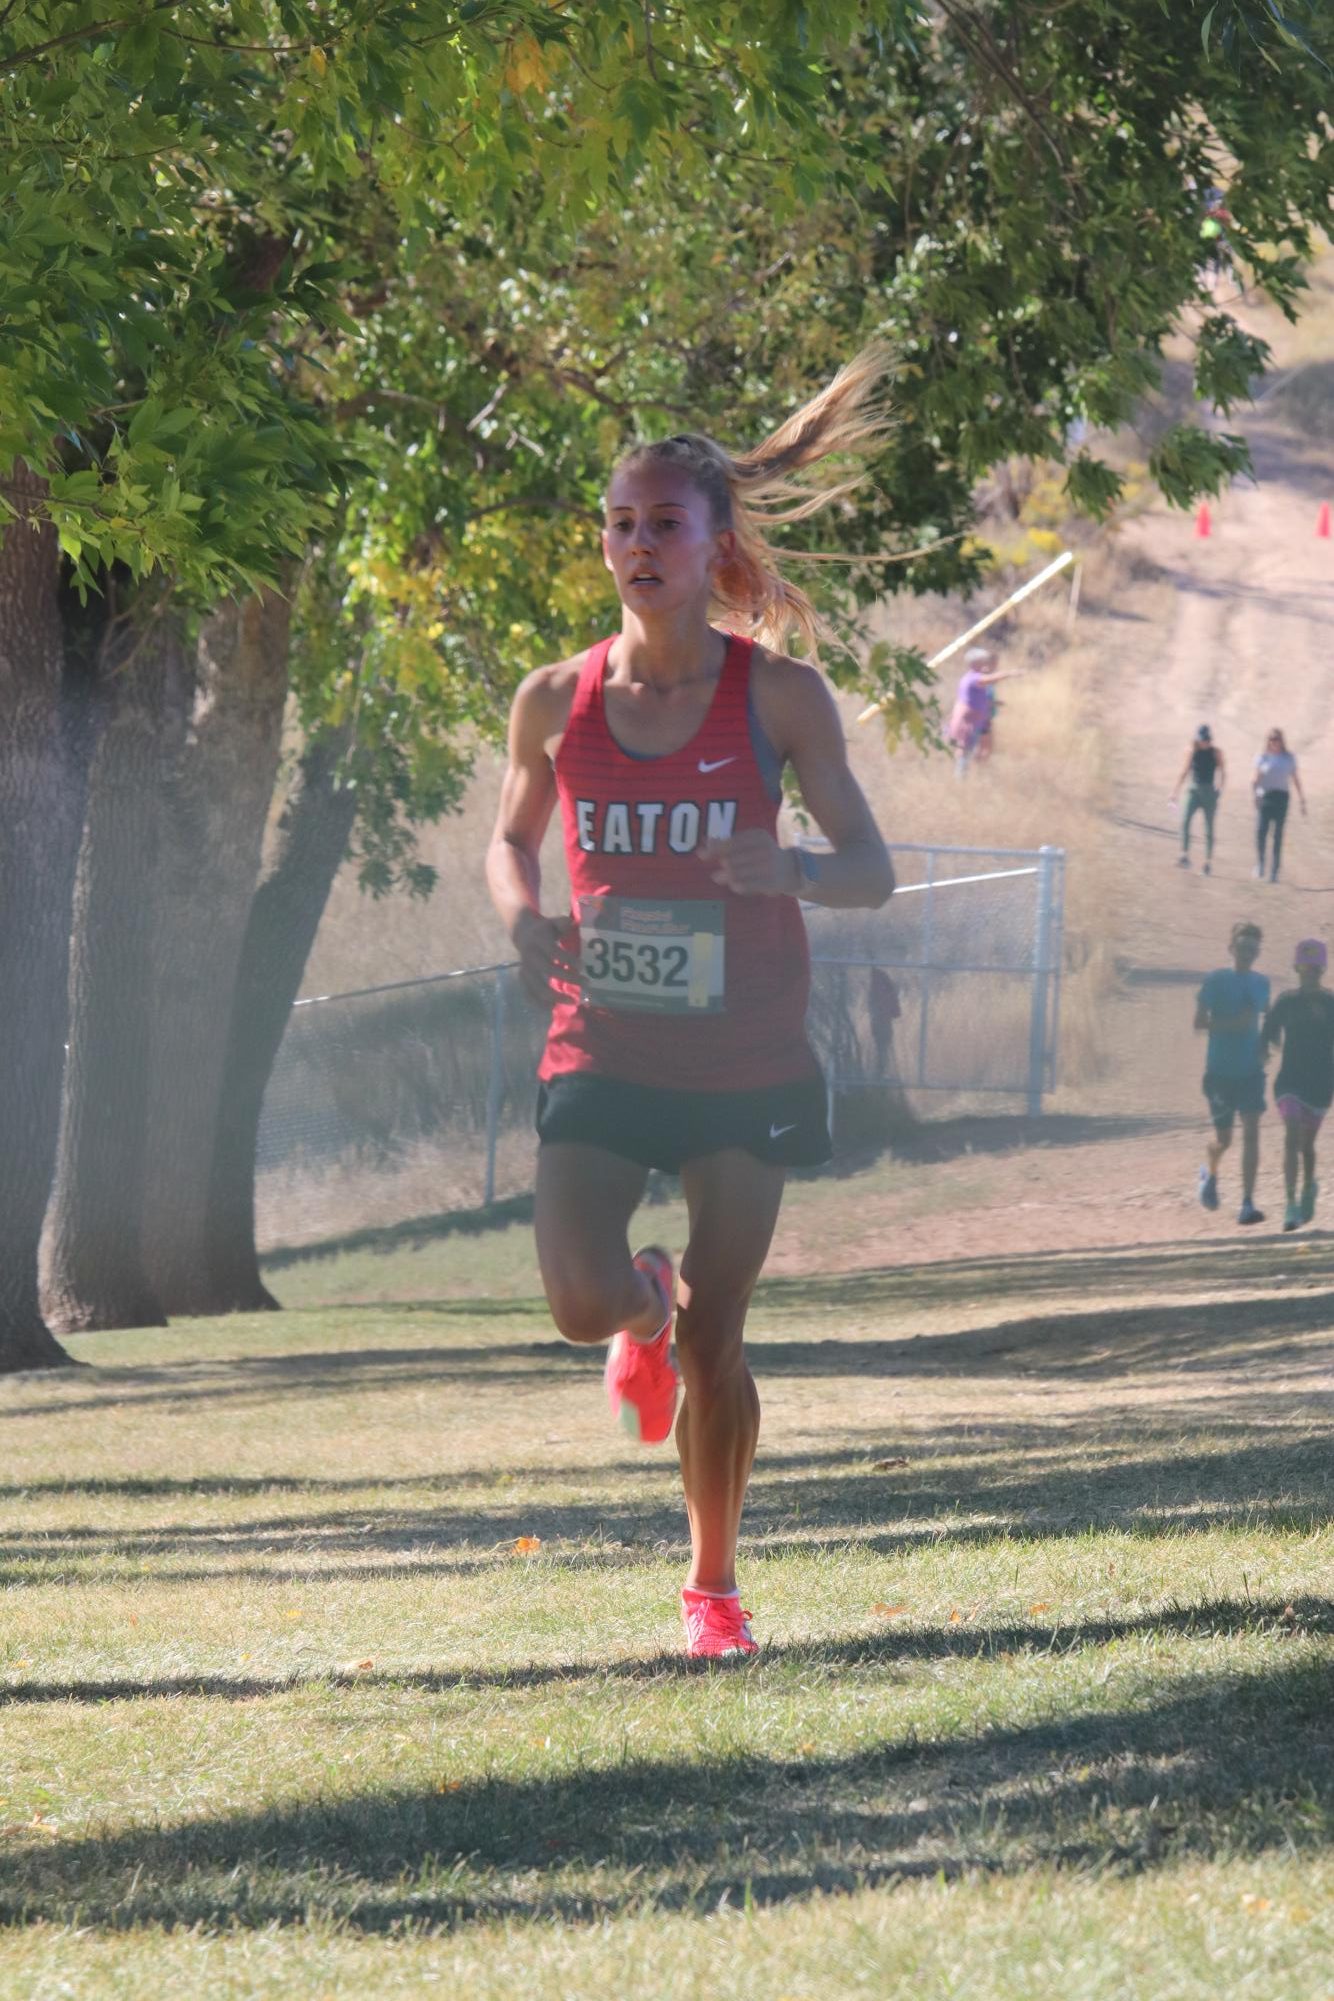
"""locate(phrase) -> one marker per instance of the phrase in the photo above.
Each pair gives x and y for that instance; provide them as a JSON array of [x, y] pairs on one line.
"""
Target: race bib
[[652, 954]]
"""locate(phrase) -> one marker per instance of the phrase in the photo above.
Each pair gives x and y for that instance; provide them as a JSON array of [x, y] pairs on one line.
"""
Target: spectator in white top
[[1275, 776]]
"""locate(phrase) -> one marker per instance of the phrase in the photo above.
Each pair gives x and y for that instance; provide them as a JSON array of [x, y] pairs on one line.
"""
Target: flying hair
[[787, 478]]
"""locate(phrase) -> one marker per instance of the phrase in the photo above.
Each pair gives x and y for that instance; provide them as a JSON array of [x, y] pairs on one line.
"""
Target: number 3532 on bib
[[652, 954]]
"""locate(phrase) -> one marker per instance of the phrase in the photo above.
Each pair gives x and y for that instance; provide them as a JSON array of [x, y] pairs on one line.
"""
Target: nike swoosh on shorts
[[776, 1132], [715, 763]]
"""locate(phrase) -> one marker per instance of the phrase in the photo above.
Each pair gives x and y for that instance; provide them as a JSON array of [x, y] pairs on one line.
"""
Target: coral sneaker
[[640, 1375], [716, 1628]]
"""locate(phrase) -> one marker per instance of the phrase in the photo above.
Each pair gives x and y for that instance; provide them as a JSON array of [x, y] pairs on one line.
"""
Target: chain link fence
[[416, 1099]]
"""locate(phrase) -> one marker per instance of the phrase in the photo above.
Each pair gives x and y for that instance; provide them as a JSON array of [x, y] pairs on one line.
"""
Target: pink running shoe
[[640, 1375], [716, 1628]]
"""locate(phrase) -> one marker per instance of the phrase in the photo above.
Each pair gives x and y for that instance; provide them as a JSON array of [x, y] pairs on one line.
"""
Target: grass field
[[340, 1651]]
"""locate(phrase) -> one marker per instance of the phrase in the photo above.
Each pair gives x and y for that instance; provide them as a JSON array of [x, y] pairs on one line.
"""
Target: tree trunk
[[284, 917], [95, 1273], [41, 797], [215, 803]]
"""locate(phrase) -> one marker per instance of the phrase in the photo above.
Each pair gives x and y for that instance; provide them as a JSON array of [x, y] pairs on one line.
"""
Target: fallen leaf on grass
[[1254, 1903], [1041, 1605], [450, 1786], [357, 1667], [39, 1822], [889, 1611], [527, 1545], [956, 1617], [293, 1612]]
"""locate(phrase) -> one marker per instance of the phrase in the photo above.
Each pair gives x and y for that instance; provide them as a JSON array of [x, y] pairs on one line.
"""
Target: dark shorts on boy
[[786, 1125], [1230, 1096]]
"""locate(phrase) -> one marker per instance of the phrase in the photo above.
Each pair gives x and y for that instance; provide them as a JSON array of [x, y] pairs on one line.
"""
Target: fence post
[[493, 1085], [1037, 1019], [928, 949], [1057, 950]]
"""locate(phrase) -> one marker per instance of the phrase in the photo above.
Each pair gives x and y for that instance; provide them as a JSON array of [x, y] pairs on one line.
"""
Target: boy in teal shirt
[[1231, 1007]]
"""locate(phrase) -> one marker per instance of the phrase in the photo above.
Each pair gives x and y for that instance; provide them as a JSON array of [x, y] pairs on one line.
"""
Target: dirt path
[[1233, 630]]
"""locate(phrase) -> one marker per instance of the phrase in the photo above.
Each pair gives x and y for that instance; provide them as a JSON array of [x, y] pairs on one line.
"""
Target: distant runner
[[1275, 772], [1303, 1020], [1231, 1006], [972, 720], [1205, 768]]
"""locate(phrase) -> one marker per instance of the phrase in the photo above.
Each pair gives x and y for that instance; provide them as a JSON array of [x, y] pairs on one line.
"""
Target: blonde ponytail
[[762, 489]]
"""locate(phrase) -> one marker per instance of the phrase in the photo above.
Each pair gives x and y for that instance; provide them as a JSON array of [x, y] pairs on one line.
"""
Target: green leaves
[[151, 158], [1227, 361], [1094, 487], [1188, 462]]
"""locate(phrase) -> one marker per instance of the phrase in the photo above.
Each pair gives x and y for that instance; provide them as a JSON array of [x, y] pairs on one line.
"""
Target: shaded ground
[[344, 1646]]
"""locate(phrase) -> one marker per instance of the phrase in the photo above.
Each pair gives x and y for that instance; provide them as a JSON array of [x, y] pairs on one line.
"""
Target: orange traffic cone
[[1322, 521], [1204, 521]]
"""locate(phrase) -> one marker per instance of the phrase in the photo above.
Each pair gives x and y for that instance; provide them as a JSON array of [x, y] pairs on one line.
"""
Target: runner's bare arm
[[513, 859], [797, 713]]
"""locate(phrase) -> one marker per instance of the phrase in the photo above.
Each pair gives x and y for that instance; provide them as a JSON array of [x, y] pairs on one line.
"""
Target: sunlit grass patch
[[341, 1650]]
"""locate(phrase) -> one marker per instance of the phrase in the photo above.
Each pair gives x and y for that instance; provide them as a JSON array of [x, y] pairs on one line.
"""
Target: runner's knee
[[584, 1310]]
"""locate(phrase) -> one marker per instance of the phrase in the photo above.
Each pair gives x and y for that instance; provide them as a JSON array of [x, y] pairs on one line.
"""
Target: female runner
[[678, 984]]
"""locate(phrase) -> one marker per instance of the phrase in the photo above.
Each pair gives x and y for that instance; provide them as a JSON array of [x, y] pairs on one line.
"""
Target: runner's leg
[[1280, 815], [585, 1199], [1292, 1148], [1188, 813], [1261, 833], [1209, 806], [733, 1201], [1250, 1153], [1218, 1146]]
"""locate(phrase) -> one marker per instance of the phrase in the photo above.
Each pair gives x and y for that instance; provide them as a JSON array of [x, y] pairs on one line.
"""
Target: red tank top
[[686, 985]]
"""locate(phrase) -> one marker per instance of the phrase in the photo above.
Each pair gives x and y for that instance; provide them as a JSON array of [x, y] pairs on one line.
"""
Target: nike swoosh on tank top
[[686, 984]]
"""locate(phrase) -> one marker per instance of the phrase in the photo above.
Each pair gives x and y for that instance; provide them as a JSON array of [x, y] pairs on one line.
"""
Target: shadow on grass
[[1220, 1619], [1224, 1764], [1107, 1341], [984, 1484]]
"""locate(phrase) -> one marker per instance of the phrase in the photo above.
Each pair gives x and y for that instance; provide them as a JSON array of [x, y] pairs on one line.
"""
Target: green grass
[[1044, 1706]]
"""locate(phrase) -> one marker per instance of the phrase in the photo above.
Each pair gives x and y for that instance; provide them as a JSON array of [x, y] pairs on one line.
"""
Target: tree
[[1003, 164], [174, 182], [1004, 246]]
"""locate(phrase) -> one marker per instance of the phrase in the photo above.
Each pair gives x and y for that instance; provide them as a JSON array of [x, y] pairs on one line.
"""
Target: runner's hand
[[546, 952], [750, 864]]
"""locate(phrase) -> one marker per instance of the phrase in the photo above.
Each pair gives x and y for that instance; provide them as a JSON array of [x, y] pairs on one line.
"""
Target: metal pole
[[1057, 969], [493, 1085], [1015, 597], [928, 948], [1037, 1020]]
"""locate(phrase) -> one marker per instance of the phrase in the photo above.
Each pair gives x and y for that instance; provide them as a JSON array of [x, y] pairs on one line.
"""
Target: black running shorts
[[1229, 1095], [785, 1124]]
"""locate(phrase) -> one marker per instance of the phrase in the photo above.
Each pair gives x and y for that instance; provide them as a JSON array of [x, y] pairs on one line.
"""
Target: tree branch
[[23, 57]]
